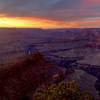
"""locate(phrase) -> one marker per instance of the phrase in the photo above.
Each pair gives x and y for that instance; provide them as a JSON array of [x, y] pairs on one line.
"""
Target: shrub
[[62, 91]]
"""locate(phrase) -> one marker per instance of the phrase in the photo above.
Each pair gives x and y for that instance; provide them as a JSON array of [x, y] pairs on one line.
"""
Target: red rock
[[21, 77]]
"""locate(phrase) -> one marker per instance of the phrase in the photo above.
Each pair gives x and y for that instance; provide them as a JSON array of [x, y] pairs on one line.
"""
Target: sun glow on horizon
[[34, 22]]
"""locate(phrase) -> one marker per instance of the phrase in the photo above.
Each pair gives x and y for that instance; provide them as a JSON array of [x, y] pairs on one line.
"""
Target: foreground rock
[[25, 75]]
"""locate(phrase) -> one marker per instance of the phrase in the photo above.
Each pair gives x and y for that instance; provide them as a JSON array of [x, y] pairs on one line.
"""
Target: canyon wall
[[24, 75]]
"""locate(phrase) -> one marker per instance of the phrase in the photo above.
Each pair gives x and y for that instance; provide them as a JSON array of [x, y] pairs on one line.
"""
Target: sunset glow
[[33, 23], [50, 14]]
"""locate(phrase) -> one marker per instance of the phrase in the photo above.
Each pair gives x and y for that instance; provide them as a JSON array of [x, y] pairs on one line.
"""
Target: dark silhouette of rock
[[27, 74]]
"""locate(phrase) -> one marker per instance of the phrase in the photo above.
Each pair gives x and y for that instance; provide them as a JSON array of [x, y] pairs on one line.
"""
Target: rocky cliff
[[24, 75]]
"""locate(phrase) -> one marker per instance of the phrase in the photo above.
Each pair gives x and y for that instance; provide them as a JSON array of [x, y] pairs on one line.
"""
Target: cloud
[[41, 8], [55, 10]]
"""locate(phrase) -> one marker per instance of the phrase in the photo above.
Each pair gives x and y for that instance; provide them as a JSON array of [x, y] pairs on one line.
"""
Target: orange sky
[[50, 13], [33, 22]]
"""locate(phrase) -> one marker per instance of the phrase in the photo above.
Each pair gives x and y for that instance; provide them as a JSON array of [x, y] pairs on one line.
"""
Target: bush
[[62, 91]]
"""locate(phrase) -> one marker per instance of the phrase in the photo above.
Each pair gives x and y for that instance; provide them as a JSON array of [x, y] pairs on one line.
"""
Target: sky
[[50, 13]]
